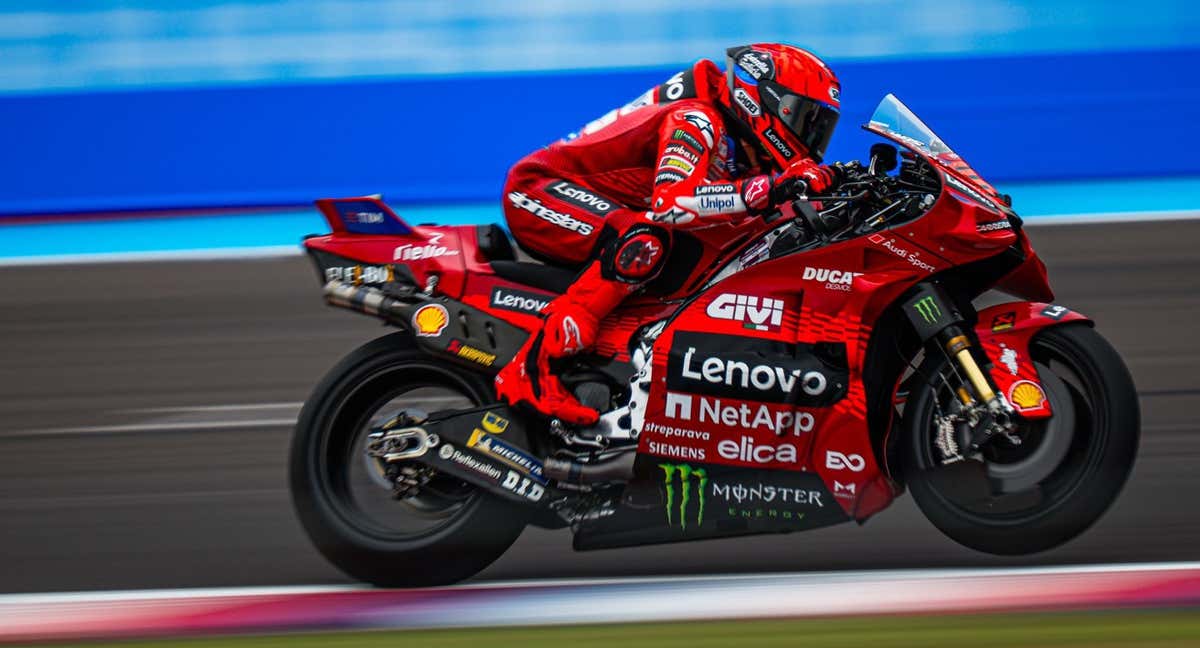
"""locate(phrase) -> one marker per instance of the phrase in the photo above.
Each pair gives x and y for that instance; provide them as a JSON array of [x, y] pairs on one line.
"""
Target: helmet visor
[[810, 121]]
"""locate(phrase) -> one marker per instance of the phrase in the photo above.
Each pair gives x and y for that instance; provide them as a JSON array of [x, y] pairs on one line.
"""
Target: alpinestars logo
[[565, 221], [682, 493], [701, 122], [755, 313]]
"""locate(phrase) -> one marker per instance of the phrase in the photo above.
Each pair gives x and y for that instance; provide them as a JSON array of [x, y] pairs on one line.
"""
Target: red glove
[[806, 176]]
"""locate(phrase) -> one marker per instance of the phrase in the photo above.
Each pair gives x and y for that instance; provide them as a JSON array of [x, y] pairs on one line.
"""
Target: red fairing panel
[[1005, 332]]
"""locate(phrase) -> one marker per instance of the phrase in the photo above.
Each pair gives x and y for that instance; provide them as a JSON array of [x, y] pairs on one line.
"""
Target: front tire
[[1090, 464], [447, 535]]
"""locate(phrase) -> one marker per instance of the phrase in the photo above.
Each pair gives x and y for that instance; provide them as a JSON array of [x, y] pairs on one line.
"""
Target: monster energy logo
[[686, 474], [928, 309]]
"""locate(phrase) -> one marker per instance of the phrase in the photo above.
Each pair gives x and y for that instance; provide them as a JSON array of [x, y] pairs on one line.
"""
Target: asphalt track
[[145, 409]]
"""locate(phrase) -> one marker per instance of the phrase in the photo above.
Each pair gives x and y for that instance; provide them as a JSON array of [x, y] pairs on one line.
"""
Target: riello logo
[[755, 313], [679, 481]]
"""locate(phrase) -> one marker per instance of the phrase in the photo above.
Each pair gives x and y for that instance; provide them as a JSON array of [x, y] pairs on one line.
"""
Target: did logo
[[680, 480]]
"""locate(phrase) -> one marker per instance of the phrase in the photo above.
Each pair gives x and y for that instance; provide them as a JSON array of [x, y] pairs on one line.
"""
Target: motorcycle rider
[[702, 147]]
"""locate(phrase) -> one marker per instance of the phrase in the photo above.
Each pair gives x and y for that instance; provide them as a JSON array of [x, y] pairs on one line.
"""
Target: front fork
[[936, 320]]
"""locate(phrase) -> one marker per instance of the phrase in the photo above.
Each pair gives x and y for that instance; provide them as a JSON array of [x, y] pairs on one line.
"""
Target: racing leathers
[[609, 199]]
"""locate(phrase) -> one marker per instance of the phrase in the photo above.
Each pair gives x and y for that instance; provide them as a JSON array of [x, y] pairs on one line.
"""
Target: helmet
[[787, 97]]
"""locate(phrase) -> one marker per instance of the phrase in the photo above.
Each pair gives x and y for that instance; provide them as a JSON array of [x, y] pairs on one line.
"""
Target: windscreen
[[893, 119]]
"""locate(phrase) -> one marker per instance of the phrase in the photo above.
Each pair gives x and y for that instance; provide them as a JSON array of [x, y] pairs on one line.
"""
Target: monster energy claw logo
[[686, 474], [928, 309]]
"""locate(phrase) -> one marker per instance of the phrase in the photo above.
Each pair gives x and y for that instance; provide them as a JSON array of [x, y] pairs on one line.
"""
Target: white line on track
[[828, 576], [198, 426], [242, 407], [1111, 217]]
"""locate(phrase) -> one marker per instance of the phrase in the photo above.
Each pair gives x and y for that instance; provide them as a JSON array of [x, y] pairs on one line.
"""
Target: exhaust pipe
[[364, 299], [618, 468]]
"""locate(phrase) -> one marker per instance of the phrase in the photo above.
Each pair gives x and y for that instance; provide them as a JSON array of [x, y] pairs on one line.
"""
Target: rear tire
[[473, 528], [1103, 445]]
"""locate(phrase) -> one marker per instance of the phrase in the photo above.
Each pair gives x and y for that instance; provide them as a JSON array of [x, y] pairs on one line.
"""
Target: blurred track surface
[[145, 412]]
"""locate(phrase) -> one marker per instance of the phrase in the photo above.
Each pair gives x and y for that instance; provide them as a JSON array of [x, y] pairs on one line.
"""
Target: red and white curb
[[206, 611]]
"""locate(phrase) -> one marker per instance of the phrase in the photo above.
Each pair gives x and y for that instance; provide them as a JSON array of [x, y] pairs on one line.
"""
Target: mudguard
[[1004, 332]]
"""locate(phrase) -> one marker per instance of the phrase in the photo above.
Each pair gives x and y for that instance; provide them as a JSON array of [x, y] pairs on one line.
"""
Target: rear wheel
[[1066, 471], [448, 530]]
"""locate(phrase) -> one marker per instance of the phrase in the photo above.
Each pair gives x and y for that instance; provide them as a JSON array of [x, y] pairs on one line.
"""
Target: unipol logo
[[755, 313]]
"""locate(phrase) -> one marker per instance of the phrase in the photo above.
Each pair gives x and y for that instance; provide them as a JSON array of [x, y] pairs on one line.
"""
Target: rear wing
[[362, 215]]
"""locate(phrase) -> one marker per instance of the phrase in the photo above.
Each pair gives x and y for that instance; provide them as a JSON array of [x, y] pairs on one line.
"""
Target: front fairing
[[970, 219]]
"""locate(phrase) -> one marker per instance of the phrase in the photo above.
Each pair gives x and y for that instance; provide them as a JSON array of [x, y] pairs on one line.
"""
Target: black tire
[[1094, 464], [473, 533]]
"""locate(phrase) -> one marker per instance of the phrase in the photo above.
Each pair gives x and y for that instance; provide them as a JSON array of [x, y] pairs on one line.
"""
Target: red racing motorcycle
[[803, 372]]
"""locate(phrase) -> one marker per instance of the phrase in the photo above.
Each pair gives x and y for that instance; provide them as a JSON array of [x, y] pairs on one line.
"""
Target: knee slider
[[637, 257]]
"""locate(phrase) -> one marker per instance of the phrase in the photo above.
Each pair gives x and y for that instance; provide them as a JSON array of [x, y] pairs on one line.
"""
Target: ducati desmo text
[[801, 369]]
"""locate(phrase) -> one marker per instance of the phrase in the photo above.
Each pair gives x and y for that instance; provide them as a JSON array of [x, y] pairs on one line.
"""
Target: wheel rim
[[1073, 441], [352, 482]]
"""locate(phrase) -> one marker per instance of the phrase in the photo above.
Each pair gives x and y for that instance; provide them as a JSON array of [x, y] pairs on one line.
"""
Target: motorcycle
[[802, 370]]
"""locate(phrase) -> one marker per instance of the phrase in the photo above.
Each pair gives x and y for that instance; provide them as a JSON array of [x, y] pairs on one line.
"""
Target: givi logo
[[754, 312]]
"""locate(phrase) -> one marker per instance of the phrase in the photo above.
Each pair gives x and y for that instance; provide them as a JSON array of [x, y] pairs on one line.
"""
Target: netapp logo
[[519, 300], [780, 145], [565, 221], [581, 197], [738, 415]]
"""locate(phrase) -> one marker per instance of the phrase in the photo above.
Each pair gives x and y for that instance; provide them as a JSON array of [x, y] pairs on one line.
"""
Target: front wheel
[[444, 532], [1066, 471]]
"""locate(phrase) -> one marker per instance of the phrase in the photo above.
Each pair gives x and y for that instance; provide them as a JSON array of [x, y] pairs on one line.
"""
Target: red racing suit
[[612, 195], [666, 152]]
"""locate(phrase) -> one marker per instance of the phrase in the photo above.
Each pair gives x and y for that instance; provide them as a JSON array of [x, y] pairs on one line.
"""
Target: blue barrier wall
[[1082, 115]]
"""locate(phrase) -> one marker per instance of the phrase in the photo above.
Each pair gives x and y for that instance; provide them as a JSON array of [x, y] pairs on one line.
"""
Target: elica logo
[[565, 221], [748, 451], [755, 313], [927, 307], [746, 102], [519, 300], [762, 377], [834, 279], [688, 478]]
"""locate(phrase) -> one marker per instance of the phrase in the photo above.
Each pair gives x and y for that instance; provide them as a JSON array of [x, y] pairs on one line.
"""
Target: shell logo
[[430, 320], [1026, 395]]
